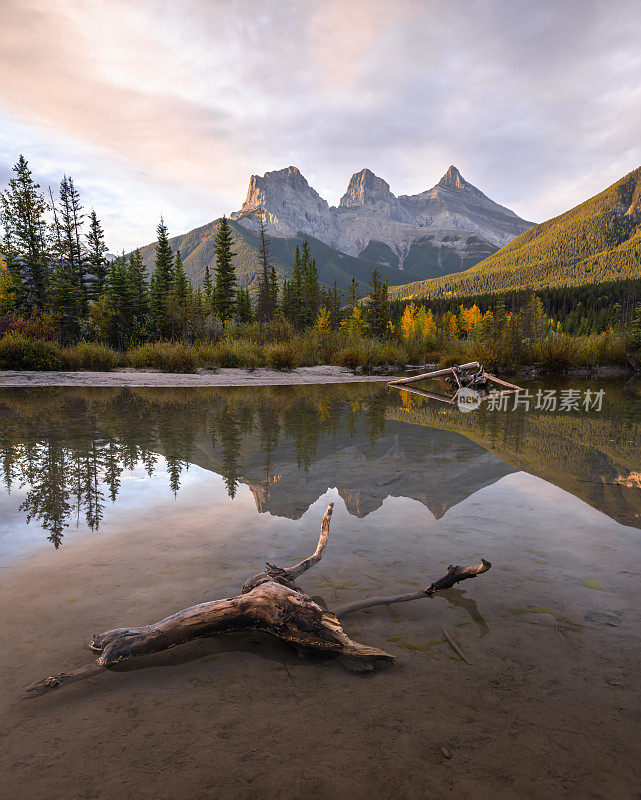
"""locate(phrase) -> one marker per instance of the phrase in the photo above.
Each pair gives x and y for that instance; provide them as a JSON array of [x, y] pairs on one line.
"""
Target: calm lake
[[121, 506]]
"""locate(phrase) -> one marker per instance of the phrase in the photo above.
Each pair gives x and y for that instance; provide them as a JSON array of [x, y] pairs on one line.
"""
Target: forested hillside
[[591, 308], [197, 252], [599, 240]]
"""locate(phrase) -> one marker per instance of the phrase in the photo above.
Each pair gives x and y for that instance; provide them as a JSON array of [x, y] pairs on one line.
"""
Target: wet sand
[[548, 708], [222, 377]]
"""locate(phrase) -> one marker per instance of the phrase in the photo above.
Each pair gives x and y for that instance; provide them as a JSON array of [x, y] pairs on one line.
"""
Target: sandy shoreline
[[223, 377]]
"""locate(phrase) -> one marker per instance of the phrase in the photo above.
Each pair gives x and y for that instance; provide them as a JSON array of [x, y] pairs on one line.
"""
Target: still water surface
[[118, 507]]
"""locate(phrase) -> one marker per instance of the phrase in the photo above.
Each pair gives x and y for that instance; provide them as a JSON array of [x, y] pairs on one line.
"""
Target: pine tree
[[24, 244], [264, 309], [244, 313], [310, 296], [96, 257], [208, 289], [273, 291], [352, 294], [180, 283], [69, 233], [225, 286], [287, 302], [179, 297], [121, 302], [296, 290], [139, 292], [162, 277], [335, 301], [378, 309], [164, 264]]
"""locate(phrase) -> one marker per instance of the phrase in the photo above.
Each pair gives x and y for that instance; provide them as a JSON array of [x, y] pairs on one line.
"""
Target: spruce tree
[[24, 243], [208, 290], [287, 302], [179, 299], [96, 257], [70, 231], [139, 292], [273, 291], [225, 285], [352, 294], [164, 262], [311, 292], [296, 290], [243, 306], [162, 277], [180, 284], [335, 303], [378, 309], [265, 311], [121, 302]]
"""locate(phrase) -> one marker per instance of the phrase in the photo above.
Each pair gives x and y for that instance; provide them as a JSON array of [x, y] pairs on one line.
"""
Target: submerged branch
[[453, 576], [269, 602]]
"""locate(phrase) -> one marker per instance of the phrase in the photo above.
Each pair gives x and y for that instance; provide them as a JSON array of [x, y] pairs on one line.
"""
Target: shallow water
[[121, 506]]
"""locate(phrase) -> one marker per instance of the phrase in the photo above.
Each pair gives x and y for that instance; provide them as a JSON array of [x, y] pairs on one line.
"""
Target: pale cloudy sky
[[166, 106]]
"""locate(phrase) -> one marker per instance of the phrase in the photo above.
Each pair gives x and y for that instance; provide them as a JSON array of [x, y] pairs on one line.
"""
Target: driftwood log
[[471, 375], [270, 602]]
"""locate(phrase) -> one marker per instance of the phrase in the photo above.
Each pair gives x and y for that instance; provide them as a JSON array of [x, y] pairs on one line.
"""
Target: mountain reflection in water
[[66, 449]]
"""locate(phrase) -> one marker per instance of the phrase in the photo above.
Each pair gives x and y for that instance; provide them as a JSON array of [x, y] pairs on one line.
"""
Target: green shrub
[[556, 353], [20, 352], [352, 357], [388, 354], [91, 356], [164, 356], [308, 350], [281, 355], [226, 355], [601, 348], [231, 353]]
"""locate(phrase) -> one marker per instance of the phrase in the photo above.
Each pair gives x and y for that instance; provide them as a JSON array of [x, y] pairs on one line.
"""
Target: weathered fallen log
[[437, 373], [270, 602], [471, 375]]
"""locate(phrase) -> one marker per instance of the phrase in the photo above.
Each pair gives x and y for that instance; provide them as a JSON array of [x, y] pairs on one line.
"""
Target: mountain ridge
[[369, 212], [596, 241], [408, 238]]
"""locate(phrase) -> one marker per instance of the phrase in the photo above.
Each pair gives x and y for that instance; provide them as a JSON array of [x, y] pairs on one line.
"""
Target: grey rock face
[[454, 211], [290, 205]]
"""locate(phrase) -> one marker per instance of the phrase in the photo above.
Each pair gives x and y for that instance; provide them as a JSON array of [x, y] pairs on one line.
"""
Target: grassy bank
[[550, 354]]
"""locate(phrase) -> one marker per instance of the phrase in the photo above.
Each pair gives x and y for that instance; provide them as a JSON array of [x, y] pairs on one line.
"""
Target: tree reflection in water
[[68, 448]]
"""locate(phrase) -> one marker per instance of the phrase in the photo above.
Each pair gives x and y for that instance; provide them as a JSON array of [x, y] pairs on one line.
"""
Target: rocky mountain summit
[[443, 230], [371, 222]]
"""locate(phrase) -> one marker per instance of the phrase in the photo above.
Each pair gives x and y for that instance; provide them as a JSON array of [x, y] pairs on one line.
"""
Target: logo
[[468, 400]]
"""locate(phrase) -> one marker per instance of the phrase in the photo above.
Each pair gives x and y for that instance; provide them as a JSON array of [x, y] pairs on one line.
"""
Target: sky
[[162, 107]]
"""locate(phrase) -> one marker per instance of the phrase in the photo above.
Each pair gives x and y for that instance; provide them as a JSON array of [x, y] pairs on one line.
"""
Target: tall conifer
[[225, 286], [24, 243], [96, 257]]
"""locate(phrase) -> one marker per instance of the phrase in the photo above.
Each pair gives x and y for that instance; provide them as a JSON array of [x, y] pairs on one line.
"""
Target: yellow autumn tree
[[8, 289], [323, 320], [425, 323], [408, 322], [452, 327], [355, 325], [469, 318]]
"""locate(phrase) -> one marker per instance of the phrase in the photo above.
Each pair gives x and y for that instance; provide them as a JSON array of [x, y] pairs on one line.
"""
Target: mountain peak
[[452, 179], [287, 175], [289, 202], [365, 188]]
